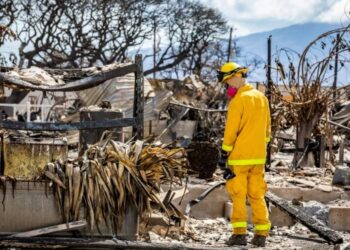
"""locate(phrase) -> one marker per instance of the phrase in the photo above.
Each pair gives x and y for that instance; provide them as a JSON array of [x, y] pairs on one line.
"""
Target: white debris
[[317, 210], [37, 76], [154, 237]]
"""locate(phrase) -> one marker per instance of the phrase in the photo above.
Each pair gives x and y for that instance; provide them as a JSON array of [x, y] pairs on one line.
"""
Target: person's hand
[[228, 174]]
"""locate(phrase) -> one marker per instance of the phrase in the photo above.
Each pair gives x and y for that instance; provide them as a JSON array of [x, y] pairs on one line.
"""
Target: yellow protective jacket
[[247, 129]]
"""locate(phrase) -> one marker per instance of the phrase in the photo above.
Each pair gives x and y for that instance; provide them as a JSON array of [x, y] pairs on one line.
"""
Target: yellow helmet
[[229, 69]]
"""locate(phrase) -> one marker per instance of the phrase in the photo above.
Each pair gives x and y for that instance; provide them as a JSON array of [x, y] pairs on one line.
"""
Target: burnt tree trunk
[[304, 133]]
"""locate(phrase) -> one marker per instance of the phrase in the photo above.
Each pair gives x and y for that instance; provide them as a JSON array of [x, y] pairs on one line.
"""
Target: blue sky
[[250, 16]]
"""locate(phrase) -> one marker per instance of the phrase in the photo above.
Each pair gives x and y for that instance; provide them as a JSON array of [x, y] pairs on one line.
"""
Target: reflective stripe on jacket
[[247, 127]]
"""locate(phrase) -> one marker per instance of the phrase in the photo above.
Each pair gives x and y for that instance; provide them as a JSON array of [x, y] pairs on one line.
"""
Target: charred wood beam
[[60, 126], [311, 223], [90, 243], [6, 69], [195, 108], [320, 152], [336, 124], [81, 84], [75, 225]]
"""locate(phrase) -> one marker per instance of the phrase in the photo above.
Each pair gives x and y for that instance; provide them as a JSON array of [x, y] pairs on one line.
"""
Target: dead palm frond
[[113, 176]]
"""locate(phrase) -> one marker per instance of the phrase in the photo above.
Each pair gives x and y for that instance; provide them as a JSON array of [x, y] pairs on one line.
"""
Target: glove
[[222, 160], [228, 174]]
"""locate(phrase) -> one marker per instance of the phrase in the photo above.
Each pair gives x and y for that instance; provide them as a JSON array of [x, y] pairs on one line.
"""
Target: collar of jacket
[[245, 87]]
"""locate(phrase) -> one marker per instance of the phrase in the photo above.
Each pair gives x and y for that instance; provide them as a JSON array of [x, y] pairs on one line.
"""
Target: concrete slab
[[279, 218], [33, 206], [212, 206], [304, 194], [339, 218], [218, 204], [325, 188]]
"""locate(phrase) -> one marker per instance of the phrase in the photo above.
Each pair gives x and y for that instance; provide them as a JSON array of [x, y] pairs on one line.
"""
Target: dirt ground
[[212, 233]]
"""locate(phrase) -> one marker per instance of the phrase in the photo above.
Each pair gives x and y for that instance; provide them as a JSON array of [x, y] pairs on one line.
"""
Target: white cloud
[[338, 12], [261, 15]]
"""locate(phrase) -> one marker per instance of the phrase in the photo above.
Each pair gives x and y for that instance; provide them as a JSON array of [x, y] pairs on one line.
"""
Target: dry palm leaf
[[113, 176]]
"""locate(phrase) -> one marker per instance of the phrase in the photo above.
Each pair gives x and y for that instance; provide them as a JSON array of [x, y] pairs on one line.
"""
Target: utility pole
[[228, 59], [269, 95], [229, 45], [268, 69], [154, 45], [336, 67]]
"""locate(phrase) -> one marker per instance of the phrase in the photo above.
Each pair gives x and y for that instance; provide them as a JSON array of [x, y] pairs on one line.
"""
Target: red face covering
[[231, 92]]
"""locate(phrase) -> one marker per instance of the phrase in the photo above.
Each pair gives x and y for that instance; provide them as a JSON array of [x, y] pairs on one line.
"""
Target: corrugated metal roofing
[[118, 91]]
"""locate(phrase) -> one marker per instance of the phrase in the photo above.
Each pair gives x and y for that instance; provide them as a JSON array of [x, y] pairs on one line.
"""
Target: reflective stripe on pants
[[248, 162], [263, 227]]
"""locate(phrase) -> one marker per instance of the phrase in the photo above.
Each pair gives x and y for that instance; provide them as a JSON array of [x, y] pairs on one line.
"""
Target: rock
[[317, 209], [325, 188], [341, 176], [279, 163], [153, 236], [339, 218], [302, 182], [346, 155]]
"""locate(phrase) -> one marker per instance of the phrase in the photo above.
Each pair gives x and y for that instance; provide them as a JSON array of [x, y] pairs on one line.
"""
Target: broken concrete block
[[290, 193], [339, 218], [324, 188], [302, 182], [341, 176], [211, 207], [158, 219], [279, 218], [282, 165], [153, 237]]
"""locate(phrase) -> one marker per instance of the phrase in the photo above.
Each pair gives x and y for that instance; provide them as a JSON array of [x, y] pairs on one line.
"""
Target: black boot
[[259, 240], [237, 239]]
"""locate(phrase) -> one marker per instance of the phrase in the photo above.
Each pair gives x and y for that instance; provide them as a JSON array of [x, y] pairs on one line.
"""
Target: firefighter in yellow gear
[[247, 133]]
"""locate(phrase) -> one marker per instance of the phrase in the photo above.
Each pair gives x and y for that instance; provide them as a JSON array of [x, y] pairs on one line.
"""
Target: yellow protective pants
[[249, 181]]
